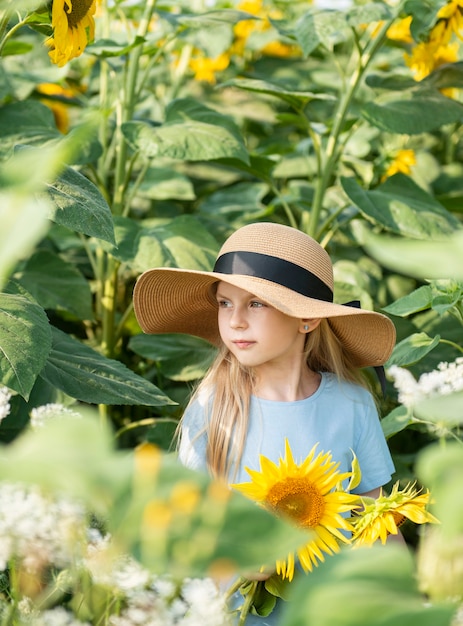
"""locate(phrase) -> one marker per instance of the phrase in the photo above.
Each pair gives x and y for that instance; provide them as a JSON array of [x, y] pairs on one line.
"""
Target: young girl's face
[[256, 333]]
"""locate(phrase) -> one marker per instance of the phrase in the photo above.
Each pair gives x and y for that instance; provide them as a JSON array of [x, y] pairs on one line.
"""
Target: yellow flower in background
[[73, 28], [383, 516], [453, 16], [205, 68], [245, 28], [425, 58], [308, 495], [57, 103], [400, 30], [403, 162]]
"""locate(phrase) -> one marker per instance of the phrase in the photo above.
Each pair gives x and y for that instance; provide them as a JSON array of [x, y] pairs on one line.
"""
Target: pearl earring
[[306, 327]]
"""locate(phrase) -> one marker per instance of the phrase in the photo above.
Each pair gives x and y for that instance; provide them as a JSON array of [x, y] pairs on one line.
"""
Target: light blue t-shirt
[[341, 417]]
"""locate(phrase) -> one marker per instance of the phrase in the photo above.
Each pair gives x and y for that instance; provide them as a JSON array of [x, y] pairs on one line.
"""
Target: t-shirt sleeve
[[371, 450], [193, 441]]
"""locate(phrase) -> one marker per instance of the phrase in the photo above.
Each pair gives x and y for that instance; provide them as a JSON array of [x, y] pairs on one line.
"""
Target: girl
[[289, 359]]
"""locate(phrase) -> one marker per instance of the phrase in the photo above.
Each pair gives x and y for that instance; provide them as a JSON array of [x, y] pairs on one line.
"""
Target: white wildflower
[[144, 608], [446, 379], [38, 530], [207, 605], [56, 617], [5, 407], [42, 414]]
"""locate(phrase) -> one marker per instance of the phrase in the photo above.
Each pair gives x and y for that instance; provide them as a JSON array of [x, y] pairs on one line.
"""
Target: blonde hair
[[230, 385]]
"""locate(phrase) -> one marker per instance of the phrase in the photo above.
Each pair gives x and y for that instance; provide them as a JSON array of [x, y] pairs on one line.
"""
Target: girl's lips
[[243, 344]]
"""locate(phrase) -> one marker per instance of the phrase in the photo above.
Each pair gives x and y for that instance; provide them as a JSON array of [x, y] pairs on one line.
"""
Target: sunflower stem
[[332, 151], [249, 599]]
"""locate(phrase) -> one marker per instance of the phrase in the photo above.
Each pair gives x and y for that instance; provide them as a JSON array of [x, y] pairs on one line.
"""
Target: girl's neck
[[287, 388]]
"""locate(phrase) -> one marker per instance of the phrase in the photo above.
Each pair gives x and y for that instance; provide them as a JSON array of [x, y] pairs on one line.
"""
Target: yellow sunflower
[[73, 28], [309, 495], [383, 516]]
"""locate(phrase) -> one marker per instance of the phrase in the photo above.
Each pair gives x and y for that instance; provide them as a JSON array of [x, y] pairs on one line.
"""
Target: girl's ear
[[308, 325]]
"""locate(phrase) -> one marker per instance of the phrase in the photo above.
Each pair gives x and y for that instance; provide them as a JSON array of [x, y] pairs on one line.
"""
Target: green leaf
[[412, 349], [320, 27], [368, 13], [162, 183], [14, 47], [79, 205], [389, 595], [396, 421], [244, 198], [25, 340], [421, 259], [107, 48], [56, 284], [26, 122], [192, 132], [179, 357], [187, 141], [90, 377], [297, 99], [23, 224], [424, 16], [440, 468], [443, 409], [74, 456], [446, 76], [181, 242], [418, 300], [401, 206], [412, 112]]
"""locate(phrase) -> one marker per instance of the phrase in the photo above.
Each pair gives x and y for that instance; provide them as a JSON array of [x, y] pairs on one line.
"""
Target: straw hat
[[285, 268]]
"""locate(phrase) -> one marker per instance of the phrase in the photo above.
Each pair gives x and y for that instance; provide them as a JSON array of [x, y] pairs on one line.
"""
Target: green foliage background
[[157, 168]]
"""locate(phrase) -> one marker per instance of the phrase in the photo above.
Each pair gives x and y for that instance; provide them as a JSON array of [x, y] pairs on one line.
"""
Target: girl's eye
[[256, 304], [223, 304]]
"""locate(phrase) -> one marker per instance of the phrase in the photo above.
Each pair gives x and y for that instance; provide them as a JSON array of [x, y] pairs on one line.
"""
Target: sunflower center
[[399, 519], [298, 499], [76, 11]]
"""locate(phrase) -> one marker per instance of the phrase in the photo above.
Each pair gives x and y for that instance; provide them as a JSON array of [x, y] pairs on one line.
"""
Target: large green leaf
[[422, 259], [186, 141], [401, 206], [181, 242], [86, 375], [56, 284], [26, 122], [441, 469], [412, 111], [365, 587], [79, 205], [244, 198], [179, 357], [25, 340], [191, 132], [445, 76], [162, 183], [412, 349], [418, 300], [321, 27]]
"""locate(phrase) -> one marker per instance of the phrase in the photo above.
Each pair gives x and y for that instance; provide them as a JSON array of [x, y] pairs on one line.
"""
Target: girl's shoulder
[[332, 386]]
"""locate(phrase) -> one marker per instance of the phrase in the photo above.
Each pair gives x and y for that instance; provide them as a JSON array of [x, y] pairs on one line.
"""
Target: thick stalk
[[127, 108], [332, 151]]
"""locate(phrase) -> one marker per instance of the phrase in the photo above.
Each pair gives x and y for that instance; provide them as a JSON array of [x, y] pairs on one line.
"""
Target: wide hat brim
[[171, 300]]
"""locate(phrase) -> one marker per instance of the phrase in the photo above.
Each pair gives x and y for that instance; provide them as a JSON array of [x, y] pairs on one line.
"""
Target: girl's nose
[[238, 318]]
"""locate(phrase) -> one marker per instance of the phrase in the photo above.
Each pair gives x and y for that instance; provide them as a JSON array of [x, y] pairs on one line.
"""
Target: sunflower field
[[136, 134]]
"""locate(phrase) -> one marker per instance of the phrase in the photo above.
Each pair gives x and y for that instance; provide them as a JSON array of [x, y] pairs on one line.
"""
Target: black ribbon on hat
[[276, 270]]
